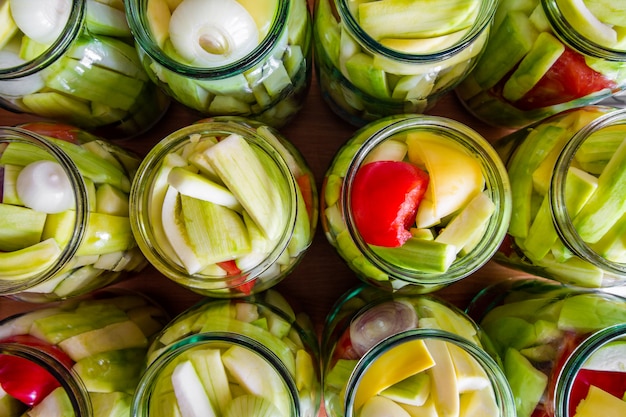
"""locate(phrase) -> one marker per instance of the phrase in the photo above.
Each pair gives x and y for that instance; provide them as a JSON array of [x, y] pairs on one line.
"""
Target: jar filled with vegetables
[[415, 202], [251, 356], [225, 207], [64, 225], [249, 58], [75, 62], [546, 56], [563, 349], [567, 177], [407, 355], [77, 358], [384, 57]]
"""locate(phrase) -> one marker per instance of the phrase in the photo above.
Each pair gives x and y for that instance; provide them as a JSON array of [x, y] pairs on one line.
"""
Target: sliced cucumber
[[20, 227]]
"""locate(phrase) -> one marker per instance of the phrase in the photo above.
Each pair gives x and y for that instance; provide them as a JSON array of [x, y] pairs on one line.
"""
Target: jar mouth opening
[[212, 340], [581, 358], [567, 159], [56, 49], [481, 23], [496, 185], [277, 35], [141, 191], [67, 250], [494, 374]]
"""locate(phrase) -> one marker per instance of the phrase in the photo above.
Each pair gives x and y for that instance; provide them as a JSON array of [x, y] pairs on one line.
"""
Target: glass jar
[[80, 69], [567, 221], [399, 353], [80, 357], [237, 57], [414, 202], [238, 357], [225, 207], [375, 59], [555, 342], [64, 226], [544, 57]]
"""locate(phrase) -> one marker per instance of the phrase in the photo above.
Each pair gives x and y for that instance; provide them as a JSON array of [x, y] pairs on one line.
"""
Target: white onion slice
[[45, 187], [18, 87], [212, 32], [42, 21], [380, 322]]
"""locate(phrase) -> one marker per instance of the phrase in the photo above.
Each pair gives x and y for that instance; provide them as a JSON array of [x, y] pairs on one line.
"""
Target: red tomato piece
[[569, 78], [612, 382], [25, 380], [385, 197]]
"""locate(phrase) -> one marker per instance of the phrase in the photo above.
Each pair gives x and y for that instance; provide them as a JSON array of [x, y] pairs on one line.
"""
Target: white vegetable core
[[212, 32], [42, 21], [45, 187], [18, 86]]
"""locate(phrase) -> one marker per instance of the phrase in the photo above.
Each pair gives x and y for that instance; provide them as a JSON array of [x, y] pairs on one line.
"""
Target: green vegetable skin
[[534, 326], [365, 86], [32, 241], [459, 393], [226, 376], [270, 91], [106, 339], [98, 84], [527, 73], [442, 232], [225, 208], [593, 198]]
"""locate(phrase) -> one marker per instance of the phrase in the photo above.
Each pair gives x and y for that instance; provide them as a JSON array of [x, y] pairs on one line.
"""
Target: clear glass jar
[[81, 69], [398, 353], [555, 341], [228, 355], [65, 228], [80, 357], [236, 57], [568, 198], [396, 242], [542, 59], [377, 59], [257, 233]]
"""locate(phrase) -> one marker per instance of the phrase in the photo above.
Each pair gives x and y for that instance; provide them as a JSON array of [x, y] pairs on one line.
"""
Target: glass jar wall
[[561, 347], [413, 203], [375, 59], [78, 358], [396, 355], [225, 207], [567, 183], [75, 62], [64, 222], [249, 356], [544, 57], [236, 57]]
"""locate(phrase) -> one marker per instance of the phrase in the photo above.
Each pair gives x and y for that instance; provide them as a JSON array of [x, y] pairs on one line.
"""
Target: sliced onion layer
[[380, 322]]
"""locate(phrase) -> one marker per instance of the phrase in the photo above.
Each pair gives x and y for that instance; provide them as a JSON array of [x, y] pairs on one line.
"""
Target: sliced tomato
[[569, 78], [344, 348], [25, 380], [61, 131], [385, 197]]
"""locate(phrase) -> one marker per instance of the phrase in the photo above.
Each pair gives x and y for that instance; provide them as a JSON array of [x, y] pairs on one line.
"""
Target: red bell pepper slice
[[25, 380], [61, 131], [241, 285], [385, 197]]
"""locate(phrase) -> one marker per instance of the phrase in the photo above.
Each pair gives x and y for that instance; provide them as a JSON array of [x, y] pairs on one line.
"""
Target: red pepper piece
[[385, 197], [612, 382], [61, 131], [25, 380], [241, 285]]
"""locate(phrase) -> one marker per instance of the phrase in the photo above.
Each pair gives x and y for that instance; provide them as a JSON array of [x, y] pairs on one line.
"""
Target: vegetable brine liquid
[[413, 200], [227, 57], [75, 61]]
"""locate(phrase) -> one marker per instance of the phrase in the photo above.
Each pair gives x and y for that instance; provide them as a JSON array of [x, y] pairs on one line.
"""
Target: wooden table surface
[[322, 276]]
